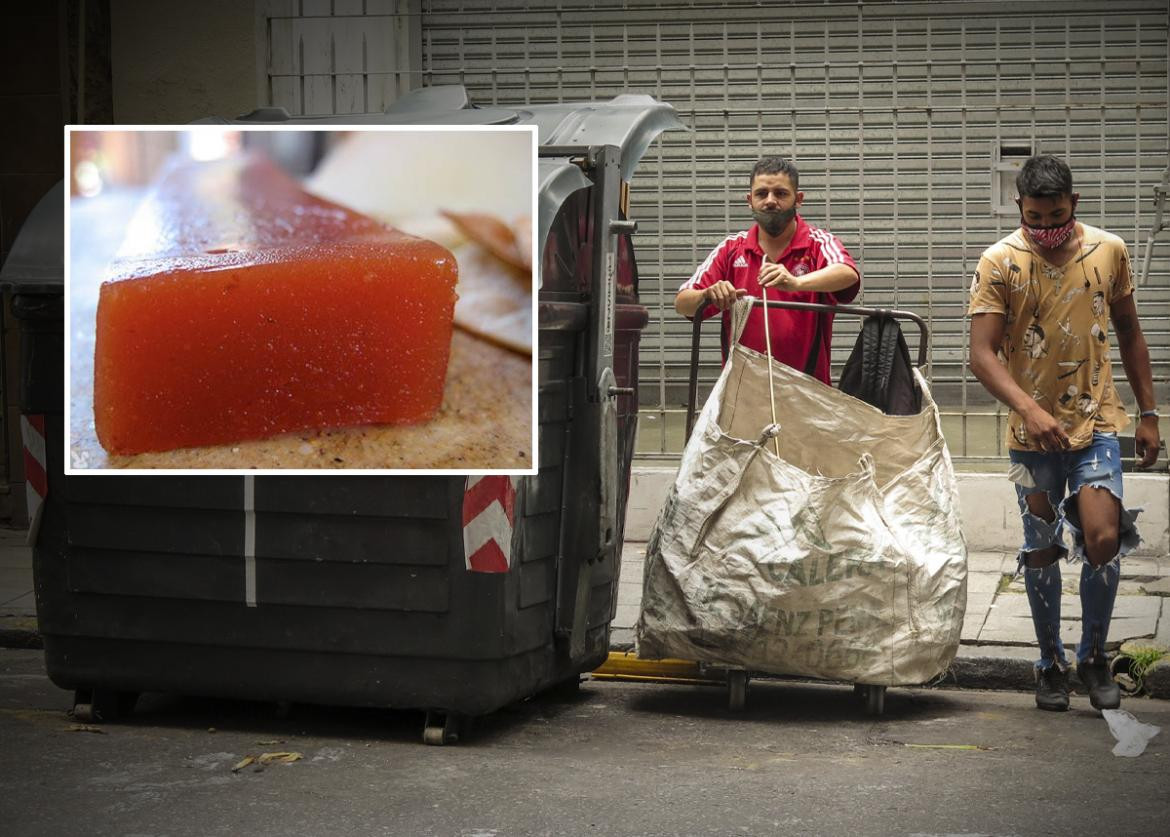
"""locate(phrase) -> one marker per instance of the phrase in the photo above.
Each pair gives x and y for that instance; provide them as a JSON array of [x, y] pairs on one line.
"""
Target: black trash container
[[32, 282], [456, 595]]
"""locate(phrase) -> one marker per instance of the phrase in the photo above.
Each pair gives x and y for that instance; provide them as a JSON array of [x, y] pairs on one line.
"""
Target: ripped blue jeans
[[1061, 475]]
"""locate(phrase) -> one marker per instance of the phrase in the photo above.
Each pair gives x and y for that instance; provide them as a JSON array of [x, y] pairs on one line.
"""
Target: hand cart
[[873, 696]]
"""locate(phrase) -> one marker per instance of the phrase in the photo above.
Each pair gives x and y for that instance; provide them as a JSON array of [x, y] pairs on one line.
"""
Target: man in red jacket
[[791, 258]]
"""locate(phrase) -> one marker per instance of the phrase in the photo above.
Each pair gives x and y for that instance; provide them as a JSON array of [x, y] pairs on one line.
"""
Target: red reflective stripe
[[34, 465], [489, 513], [34, 474], [485, 492], [489, 558]]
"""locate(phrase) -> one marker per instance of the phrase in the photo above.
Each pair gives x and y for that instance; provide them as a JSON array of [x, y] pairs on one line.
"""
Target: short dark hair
[[1044, 176], [776, 165]]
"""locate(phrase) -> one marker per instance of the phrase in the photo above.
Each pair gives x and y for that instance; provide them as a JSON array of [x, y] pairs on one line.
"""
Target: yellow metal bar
[[625, 665]]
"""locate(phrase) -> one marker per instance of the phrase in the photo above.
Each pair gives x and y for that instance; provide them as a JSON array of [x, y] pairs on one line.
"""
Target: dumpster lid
[[36, 264], [630, 121], [556, 180]]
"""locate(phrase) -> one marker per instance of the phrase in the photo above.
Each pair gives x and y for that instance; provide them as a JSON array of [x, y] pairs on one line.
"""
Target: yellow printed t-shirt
[[1056, 335]]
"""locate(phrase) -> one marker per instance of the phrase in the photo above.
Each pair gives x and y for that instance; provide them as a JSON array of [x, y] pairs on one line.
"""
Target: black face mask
[[774, 221]]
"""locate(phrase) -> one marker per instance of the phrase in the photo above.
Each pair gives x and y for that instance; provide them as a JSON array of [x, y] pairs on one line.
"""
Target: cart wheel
[[441, 728], [736, 690], [875, 700]]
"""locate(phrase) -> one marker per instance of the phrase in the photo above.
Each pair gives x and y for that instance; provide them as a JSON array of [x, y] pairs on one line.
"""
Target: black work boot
[[1052, 688], [1104, 693]]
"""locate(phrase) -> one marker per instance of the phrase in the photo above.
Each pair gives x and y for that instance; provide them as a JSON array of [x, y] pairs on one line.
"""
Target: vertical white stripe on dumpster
[[249, 540]]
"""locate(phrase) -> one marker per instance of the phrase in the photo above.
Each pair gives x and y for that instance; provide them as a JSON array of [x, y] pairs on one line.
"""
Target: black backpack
[[879, 371]]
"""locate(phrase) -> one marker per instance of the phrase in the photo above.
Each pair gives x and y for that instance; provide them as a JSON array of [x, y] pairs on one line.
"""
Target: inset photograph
[[300, 300]]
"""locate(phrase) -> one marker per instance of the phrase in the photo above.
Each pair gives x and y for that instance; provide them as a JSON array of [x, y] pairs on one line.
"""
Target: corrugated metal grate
[[895, 113], [324, 57]]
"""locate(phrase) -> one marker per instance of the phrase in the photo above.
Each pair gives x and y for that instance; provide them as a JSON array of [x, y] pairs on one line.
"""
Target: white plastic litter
[[1132, 735], [839, 556]]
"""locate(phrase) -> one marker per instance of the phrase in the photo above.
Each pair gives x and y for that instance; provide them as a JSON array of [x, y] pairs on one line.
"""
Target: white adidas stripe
[[829, 246], [690, 283]]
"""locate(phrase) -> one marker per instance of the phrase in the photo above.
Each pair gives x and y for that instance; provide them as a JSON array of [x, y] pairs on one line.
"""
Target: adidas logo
[[740, 261]]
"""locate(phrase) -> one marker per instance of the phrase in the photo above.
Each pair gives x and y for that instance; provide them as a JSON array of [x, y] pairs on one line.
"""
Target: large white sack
[[842, 558]]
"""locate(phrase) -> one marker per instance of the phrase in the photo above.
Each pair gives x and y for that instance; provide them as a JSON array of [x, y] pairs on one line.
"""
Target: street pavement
[[616, 758]]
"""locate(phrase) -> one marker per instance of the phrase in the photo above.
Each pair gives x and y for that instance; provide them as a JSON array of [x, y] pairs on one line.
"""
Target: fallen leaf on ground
[[242, 763], [85, 728], [283, 758], [269, 743]]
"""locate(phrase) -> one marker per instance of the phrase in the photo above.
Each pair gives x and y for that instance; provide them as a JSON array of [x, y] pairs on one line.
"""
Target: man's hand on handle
[[723, 295]]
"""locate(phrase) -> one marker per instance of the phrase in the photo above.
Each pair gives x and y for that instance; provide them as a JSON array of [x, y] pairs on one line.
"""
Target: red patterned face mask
[[1051, 237]]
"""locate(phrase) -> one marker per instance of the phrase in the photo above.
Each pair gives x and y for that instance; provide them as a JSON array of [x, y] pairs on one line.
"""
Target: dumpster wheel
[[94, 706], [441, 728]]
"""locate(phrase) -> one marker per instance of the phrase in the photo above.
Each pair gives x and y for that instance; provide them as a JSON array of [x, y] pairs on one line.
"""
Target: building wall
[[906, 120], [176, 62]]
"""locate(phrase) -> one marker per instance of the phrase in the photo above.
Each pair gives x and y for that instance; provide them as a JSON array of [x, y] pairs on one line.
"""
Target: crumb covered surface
[[484, 422]]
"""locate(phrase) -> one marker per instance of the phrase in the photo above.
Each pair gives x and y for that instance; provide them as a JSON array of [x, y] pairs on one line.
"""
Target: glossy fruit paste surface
[[241, 306]]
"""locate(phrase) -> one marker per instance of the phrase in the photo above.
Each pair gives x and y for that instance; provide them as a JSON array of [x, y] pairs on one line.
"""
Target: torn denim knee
[[1040, 534], [1128, 538]]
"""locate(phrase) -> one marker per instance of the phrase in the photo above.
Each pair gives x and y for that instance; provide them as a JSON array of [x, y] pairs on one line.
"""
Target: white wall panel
[[324, 57]]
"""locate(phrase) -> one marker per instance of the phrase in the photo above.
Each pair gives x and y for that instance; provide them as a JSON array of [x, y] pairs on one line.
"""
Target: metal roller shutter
[[896, 113]]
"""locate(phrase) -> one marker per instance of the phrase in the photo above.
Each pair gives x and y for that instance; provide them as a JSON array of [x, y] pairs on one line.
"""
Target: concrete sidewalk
[[998, 645]]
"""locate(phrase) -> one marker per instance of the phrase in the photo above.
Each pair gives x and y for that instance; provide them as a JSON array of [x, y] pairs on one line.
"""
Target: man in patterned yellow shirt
[[1042, 301]]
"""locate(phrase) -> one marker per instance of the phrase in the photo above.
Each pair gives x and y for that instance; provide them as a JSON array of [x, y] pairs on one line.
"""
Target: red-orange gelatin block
[[241, 306]]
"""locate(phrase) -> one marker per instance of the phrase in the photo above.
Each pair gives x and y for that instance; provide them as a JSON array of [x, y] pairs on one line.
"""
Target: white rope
[[768, 344]]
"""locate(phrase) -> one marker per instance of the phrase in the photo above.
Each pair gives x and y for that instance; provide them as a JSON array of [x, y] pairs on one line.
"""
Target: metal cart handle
[[859, 310]]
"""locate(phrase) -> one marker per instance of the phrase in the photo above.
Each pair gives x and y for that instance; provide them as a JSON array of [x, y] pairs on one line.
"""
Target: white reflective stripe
[[490, 524], [35, 505], [34, 442], [249, 540], [706, 265]]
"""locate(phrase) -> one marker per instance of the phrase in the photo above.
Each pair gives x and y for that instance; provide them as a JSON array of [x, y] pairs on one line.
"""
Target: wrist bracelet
[[1148, 413]]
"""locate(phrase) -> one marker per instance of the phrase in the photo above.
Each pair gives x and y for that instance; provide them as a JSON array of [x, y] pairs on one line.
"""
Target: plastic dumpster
[[32, 281], [365, 590]]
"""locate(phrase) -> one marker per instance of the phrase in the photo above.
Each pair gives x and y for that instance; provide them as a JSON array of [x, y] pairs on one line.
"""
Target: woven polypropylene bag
[[840, 558]]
